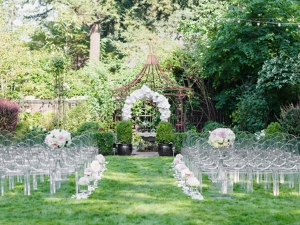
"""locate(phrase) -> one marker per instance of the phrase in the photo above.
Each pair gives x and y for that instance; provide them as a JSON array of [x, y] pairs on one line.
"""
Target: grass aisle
[[137, 190]]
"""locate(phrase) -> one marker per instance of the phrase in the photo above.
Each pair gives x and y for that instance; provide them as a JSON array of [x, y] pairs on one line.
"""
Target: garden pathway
[[143, 154]]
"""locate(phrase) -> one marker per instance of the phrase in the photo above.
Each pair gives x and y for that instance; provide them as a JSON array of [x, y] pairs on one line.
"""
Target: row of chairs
[[30, 162], [267, 161]]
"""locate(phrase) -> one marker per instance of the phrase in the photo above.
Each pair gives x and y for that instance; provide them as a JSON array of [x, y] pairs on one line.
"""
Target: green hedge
[[88, 126], [178, 139], [105, 142]]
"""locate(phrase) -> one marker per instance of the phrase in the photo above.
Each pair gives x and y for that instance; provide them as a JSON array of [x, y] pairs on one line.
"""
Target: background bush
[[211, 125], [273, 127], [8, 115], [252, 112], [88, 126], [105, 142], [178, 139], [78, 115], [22, 128], [290, 123]]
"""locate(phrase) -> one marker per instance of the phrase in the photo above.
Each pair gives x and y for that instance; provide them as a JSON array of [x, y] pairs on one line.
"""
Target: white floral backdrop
[[146, 93]]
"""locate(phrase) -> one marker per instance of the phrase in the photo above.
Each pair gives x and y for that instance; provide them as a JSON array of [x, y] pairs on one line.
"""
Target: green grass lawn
[[137, 190]]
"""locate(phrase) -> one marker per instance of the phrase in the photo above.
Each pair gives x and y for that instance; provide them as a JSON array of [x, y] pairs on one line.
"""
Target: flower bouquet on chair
[[221, 138], [58, 138]]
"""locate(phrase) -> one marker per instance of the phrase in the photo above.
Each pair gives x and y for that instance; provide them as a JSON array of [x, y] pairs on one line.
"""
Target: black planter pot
[[165, 150], [124, 149]]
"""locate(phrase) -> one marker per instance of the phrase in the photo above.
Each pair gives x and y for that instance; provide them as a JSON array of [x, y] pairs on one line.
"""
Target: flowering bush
[[58, 139], [260, 134], [221, 137], [145, 92]]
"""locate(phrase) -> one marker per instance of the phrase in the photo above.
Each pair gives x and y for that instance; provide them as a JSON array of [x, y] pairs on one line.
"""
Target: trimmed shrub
[[273, 127], [88, 126], [75, 133], [211, 125], [164, 133], [124, 131], [105, 141], [9, 115]]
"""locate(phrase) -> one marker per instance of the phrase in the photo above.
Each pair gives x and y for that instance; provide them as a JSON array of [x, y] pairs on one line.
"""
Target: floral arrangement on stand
[[92, 174], [58, 138], [221, 137], [186, 179], [146, 93]]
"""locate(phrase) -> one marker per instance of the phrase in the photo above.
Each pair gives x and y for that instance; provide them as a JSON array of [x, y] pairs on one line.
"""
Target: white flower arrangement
[[146, 93], [186, 179], [100, 158], [193, 182], [177, 159], [180, 166], [221, 137], [58, 138], [83, 181], [92, 174], [95, 166]]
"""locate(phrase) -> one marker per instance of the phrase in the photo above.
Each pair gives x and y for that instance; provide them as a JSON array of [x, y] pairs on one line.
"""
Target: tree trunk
[[95, 41]]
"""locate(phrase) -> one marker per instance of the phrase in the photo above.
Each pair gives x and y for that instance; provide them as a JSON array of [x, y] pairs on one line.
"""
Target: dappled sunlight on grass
[[143, 191]]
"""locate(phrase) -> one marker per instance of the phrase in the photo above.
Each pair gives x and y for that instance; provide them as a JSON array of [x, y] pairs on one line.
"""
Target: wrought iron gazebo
[[153, 76]]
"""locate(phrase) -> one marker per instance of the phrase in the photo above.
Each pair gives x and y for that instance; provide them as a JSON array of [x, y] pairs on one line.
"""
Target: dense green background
[[234, 54]]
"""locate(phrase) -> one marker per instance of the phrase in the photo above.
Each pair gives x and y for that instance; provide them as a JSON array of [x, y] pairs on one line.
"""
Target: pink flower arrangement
[[95, 166], [83, 181], [58, 139], [100, 158], [221, 137]]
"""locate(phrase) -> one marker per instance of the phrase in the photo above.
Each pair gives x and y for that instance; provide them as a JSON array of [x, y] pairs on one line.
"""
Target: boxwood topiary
[[211, 125], [164, 133], [273, 127], [124, 131]]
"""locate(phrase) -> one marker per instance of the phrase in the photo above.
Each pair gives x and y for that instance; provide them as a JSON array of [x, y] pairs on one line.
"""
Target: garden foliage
[[88, 126], [8, 115], [178, 139], [273, 127], [252, 111], [290, 123], [105, 142]]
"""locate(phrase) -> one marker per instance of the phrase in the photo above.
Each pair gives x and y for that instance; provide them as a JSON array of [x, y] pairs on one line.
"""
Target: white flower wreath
[[146, 93]]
